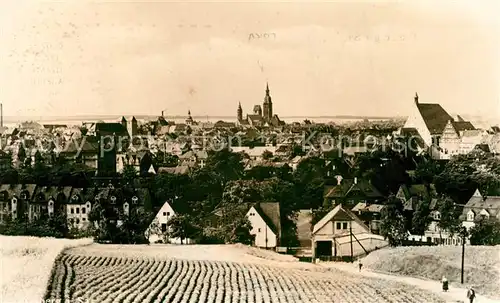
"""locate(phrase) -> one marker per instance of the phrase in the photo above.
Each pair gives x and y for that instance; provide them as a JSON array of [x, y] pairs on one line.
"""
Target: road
[[453, 295]]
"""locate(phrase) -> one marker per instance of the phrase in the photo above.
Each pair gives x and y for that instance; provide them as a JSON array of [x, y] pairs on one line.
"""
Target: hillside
[[482, 265], [211, 273]]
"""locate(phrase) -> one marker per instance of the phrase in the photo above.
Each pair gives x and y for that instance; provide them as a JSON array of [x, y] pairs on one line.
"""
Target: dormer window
[[113, 199], [437, 216], [470, 216], [23, 196], [135, 199]]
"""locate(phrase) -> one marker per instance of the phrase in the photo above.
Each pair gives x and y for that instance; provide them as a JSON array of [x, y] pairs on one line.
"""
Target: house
[[415, 193], [370, 214], [480, 207], [338, 231], [194, 158], [158, 230], [350, 192], [48, 200], [15, 201], [440, 132], [255, 153], [434, 234], [265, 218], [82, 151], [79, 206]]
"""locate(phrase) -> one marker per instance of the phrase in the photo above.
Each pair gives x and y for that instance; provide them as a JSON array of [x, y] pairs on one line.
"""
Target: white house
[[265, 219], [77, 211], [158, 230], [331, 236]]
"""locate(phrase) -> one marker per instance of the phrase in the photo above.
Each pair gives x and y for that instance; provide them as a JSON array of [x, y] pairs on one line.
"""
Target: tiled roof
[[435, 117], [348, 185], [338, 213], [180, 170], [111, 128], [462, 126], [490, 204], [270, 212]]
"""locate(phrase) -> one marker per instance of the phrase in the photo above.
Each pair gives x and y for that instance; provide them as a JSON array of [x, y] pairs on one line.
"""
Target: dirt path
[[453, 295]]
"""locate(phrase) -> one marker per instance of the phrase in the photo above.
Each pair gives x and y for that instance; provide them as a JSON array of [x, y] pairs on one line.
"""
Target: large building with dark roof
[[439, 131]]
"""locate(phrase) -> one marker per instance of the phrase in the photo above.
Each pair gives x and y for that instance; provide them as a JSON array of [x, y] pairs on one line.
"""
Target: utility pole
[[350, 235], [266, 236], [464, 233]]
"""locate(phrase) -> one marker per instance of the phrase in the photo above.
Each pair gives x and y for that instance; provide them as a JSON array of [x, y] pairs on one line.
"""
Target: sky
[[321, 59]]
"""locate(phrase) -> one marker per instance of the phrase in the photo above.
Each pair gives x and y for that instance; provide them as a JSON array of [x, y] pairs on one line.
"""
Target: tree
[[225, 164], [239, 232], [129, 174], [267, 155], [393, 226], [21, 154], [485, 232], [181, 226], [421, 217], [450, 215]]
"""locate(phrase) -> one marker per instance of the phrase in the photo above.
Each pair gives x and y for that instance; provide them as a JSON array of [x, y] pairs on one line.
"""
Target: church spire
[[267, 88]]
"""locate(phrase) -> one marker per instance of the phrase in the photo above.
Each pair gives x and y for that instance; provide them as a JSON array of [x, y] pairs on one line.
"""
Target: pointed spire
[[267, 88], [189, 112]]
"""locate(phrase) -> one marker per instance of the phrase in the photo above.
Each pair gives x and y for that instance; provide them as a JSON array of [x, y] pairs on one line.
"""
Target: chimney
[[355, 180], [1, 114], [339, 179], [162, 113], [416, 98]]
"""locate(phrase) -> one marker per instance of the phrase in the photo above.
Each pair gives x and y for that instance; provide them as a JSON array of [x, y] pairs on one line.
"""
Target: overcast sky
[[118, 58]]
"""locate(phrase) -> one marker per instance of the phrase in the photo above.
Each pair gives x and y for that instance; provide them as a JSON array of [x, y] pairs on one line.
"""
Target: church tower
[[268, 105], [189, 120], [239, 112]]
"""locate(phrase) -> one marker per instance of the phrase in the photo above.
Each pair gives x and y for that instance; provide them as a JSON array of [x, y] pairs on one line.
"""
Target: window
[[259, 230], [77, 221], [77, 210], [163, 227], [339, 225], [83, 219], [83, 210], [164, 213], [168, 213], [72, 210], [344, 225]]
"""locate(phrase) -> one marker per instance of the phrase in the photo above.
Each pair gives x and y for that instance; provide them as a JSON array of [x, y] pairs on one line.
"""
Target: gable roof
[[347, 186], [434, 116], [270, 213], [111, 128], [462, 126], [491, 204], [338, 213]]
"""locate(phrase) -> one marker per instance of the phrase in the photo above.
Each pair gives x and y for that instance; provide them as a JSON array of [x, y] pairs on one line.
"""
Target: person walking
[[471, 294], [360, 265], [445, 283]]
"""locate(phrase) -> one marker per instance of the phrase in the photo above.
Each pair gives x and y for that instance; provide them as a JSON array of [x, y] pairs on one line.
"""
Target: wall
[[259, 229]]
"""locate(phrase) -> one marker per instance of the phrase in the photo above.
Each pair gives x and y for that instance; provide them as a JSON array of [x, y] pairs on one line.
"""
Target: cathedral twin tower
[[266, 111]]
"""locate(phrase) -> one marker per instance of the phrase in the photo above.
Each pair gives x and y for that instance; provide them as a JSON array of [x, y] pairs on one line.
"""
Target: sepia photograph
[[249, 151]]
